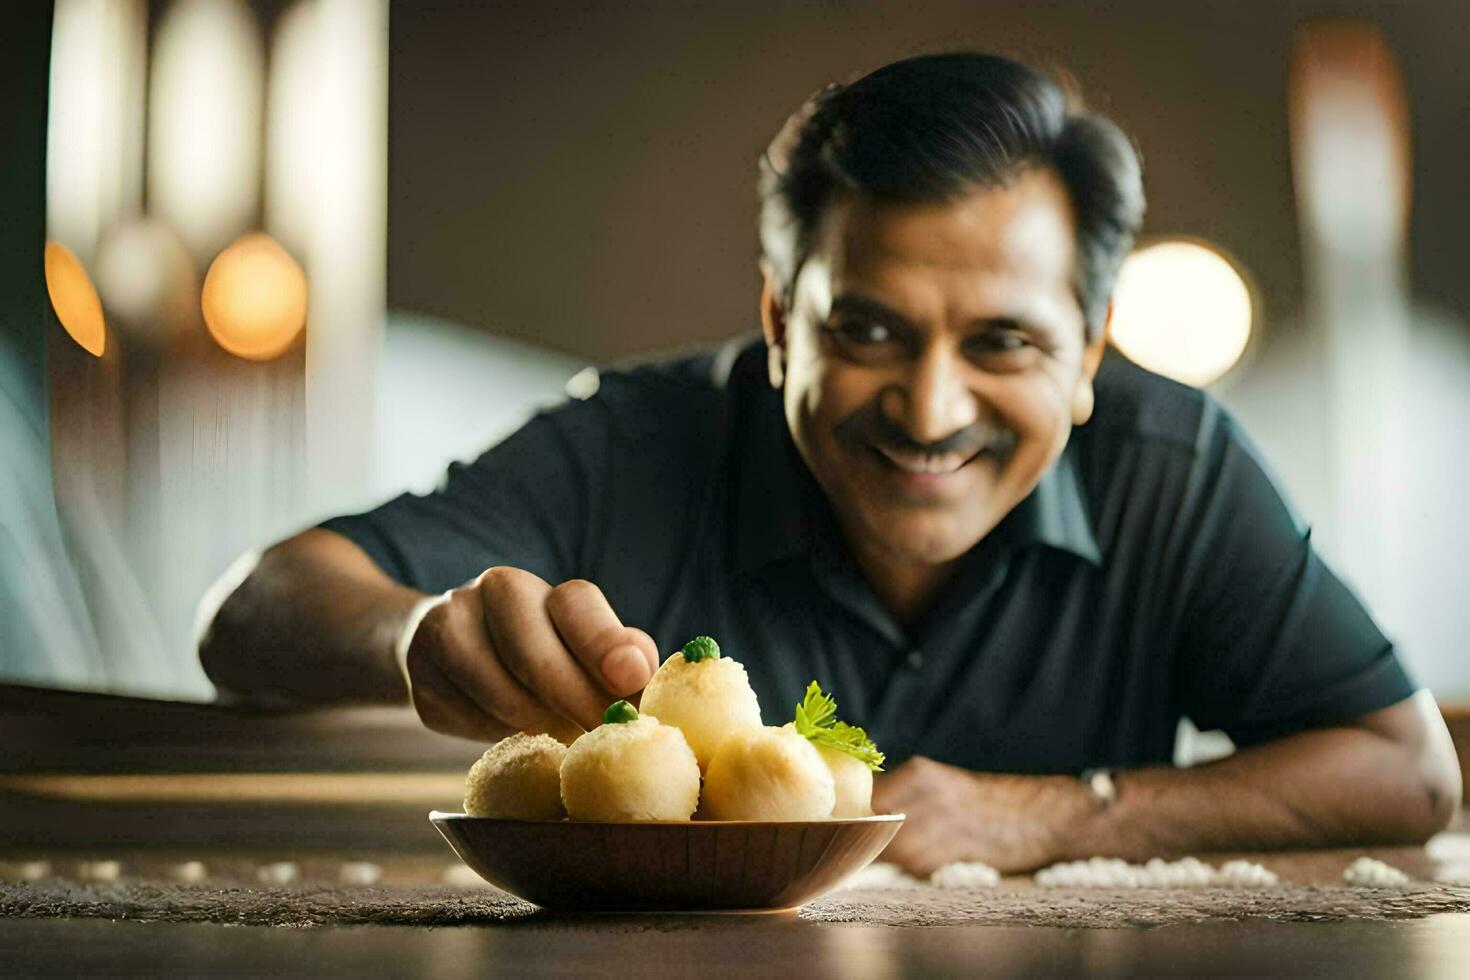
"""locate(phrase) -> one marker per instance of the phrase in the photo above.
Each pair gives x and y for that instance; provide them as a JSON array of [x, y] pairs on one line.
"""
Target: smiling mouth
[[938, 464]]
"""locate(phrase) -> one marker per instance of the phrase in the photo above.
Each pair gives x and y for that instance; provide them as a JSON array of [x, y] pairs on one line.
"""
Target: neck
[[907, 588]]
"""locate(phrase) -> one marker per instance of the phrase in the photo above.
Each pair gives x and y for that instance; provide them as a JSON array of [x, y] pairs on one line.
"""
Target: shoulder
[[1173, 444], [1155, 413], [657, 412], [1135, 405], [689, 391], [711, 368]]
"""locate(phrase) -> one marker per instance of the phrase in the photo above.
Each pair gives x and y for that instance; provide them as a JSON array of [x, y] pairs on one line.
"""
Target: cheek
[[806, 378], [1037, 407], [821, 393]]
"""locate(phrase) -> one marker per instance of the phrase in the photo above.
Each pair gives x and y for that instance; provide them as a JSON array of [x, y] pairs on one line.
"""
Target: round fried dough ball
[[705, 699], [767, 774], [518, 778], [853, 781], [630, 770]]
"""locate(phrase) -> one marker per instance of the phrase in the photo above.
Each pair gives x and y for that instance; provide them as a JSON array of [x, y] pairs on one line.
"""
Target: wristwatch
[[1101, 788]]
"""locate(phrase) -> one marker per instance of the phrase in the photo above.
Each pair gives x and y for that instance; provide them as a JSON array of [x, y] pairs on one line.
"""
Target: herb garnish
[[816, 719], [701, 648]]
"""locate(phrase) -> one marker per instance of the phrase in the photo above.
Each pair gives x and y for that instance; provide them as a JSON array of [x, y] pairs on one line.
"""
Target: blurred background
[[267, 261]]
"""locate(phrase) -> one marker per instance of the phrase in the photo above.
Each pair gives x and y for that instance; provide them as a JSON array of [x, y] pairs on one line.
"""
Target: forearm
[[1388, 777], [315, 622], [1325, 787]]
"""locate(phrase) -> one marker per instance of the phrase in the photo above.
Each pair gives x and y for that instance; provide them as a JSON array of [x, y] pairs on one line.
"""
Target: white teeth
[[924, 462]]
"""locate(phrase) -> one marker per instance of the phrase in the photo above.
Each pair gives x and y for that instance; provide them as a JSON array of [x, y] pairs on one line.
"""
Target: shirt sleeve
[[1271, 641], [527, 502]]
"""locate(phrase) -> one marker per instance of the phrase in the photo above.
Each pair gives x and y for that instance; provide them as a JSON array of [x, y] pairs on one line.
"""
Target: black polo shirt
[[1155, 572]]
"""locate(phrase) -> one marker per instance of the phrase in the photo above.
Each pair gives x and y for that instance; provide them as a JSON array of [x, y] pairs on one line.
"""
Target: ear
[[773, 325], [1083, 397]]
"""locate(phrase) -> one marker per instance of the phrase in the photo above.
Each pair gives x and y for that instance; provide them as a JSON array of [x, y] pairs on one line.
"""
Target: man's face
[[935, 362]]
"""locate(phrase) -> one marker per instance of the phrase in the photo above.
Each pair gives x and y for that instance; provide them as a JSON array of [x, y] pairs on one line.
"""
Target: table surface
[[752, 946], [60, 733], [781, 945]]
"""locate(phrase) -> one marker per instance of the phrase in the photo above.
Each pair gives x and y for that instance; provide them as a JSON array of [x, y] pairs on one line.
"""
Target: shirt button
[[915, 659]]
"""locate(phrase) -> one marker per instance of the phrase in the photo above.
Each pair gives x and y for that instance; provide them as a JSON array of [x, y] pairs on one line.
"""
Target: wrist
[[404, 632], [1102, 791], [1078, 816]]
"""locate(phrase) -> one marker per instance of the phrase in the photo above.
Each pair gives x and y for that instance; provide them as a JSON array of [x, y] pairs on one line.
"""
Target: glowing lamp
[[1182, 310], [74, 299], [254, 298]]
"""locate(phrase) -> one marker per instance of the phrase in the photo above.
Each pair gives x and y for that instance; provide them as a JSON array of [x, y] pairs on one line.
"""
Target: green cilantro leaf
[[817, 710], [816, 719]]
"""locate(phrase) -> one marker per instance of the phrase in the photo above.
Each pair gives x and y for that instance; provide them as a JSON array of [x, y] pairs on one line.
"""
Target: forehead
[[995, 245]]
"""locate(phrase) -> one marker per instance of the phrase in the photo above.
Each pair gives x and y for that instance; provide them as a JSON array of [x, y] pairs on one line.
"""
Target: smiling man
[[1016, 561]]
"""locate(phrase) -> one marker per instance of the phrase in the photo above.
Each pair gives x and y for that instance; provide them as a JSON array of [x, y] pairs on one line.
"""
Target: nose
[[934, 399]]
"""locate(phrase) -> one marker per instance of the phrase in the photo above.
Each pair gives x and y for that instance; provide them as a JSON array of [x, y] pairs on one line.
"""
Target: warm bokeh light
[[147, 281], [294, 126], [254, 298], [75, 299], [206, 94], [326, 200], [94, 123], [1182, 310]]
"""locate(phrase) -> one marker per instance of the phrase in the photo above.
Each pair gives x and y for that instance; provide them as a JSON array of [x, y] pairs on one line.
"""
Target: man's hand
[[511, 653], [1388, 777], [1008, 822]]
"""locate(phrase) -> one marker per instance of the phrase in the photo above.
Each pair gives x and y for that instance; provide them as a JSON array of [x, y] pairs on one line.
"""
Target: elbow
[[218, 653], [1442, 773], [219, 625], [1432, 810], [1422, 767], [1437, 766], [1443, 791], [1421, 804]]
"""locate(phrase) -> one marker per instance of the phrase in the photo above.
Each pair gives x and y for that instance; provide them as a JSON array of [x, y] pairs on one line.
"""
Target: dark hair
[[934, 128]]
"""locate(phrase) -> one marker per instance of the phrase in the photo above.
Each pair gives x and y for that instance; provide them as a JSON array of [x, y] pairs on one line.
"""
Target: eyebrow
[[867, 306], [857, 303]]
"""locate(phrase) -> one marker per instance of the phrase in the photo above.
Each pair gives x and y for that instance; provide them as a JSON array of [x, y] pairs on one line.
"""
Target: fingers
[[456, 676], [900, 788], [621, 658], [510, 653], [916, 853], [443, 708], [523, 637], [921, 845]]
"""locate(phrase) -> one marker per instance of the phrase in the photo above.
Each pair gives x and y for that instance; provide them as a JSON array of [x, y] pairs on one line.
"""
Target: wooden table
[[783, 946], [743, 946], [98, 775]]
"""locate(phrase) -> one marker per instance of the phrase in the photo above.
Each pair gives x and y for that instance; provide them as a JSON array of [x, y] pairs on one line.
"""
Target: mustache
[[869, 427]]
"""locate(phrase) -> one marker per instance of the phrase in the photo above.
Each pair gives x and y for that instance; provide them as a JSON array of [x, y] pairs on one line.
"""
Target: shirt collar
[[1055, 513], [781, 511]]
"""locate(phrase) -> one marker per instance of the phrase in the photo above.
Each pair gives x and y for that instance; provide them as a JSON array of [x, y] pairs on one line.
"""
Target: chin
[[929, 539]]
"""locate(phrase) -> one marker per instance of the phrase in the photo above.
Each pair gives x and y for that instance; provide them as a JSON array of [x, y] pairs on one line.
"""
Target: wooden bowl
[[690, 866]]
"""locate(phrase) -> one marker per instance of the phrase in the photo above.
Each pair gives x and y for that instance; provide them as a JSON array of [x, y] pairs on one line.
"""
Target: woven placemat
[[414, 905], [1099, 908], [442, 905]]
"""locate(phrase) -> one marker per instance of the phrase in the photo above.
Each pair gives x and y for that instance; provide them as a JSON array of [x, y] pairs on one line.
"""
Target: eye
[[863, 332], [860, 340], [999, 340]]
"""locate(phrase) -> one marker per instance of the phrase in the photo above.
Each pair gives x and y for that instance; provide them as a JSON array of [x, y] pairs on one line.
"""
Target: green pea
[[619, 712], [701, 648]]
